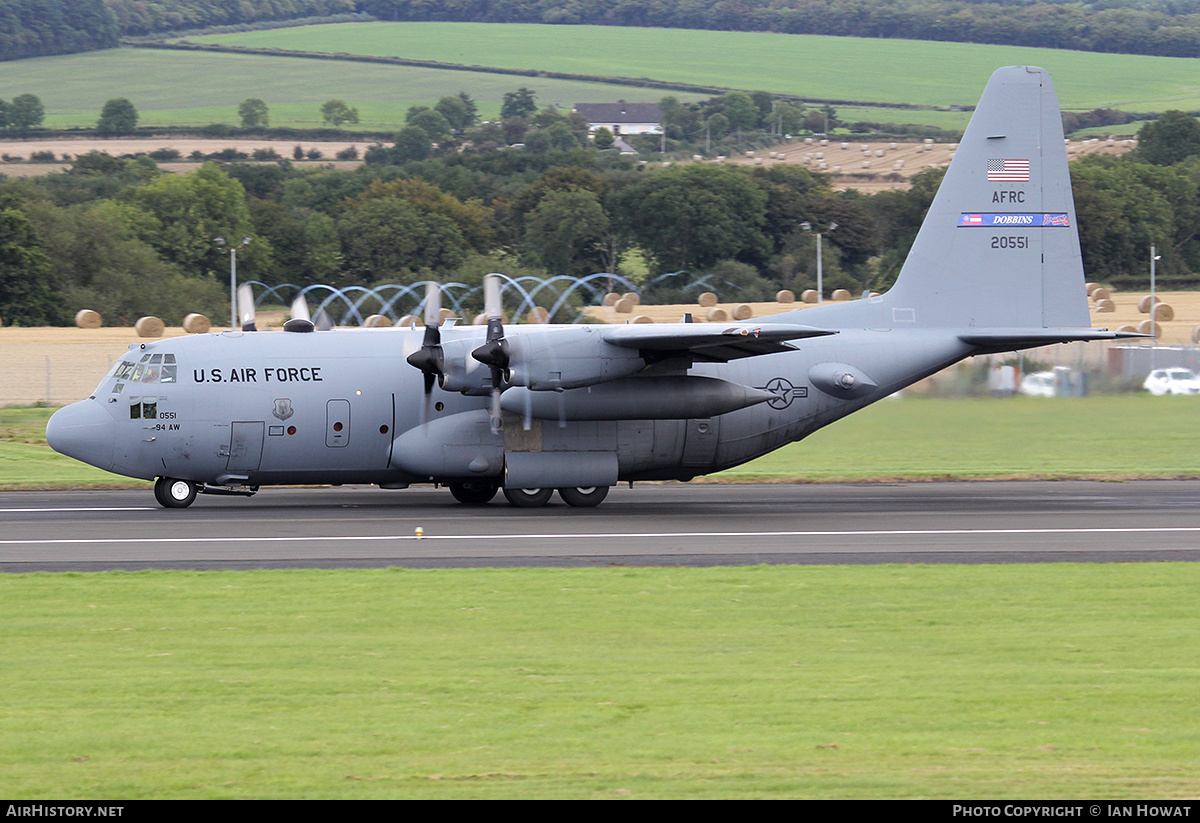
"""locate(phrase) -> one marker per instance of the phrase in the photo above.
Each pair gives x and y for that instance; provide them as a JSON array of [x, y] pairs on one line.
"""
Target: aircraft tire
[[528, 498], [473, 494], [584, 498], [174, 494]]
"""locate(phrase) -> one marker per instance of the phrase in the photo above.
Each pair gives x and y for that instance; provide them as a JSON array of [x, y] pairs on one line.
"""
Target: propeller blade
[[429, 358], [300, 309], [245, 304], [324, 321], [494, 352]]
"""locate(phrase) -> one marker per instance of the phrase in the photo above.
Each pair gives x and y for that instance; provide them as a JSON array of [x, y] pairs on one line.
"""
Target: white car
[[1172, 381], [1038, 384]]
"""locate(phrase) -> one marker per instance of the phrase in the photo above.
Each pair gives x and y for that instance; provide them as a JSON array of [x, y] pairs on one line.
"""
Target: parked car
[[1172, 381], [1038, 384]]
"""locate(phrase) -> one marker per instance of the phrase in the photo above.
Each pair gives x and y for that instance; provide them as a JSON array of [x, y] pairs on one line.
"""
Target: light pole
[[1154, 258], [233, 250], [807, 227]]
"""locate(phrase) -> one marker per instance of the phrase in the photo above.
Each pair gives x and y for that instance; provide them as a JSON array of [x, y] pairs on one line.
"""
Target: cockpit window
[[152, 368]]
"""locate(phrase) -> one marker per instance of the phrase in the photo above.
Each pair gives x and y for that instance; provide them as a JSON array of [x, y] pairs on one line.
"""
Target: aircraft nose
[[85, 431]]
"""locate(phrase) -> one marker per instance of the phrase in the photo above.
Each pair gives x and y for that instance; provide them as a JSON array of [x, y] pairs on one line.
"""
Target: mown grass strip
[[1055, 681]]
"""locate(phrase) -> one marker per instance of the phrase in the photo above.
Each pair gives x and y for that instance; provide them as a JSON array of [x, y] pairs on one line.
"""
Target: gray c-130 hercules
[[531, 409]]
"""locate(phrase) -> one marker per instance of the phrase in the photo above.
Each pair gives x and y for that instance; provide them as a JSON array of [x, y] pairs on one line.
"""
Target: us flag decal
[[1008, 171]]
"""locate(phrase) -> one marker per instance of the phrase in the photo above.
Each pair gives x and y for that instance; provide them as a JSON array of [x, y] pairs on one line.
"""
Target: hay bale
[[624, 306], [148, 326], [537, 314], [642, 318], [377, 321], [1091, 287], [715, 315], [87, 319], [611, 298], [1148, 327], [810, 296], [633, 296], [742, 312], [446, 314], [1163, 313], [479, 320], [1196, 334], [840, 294], [1104, 305], [410, 321], [707, 300], [196, 324], [1128, 328], [1144, 305], [785, 296], [1100, 293]]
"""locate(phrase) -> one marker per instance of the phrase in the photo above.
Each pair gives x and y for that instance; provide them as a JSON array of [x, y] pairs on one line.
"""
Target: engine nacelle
[[463, 373], [570, 357]]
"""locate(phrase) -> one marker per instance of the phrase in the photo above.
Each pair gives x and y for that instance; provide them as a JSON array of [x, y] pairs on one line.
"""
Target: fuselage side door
[[245, 446]]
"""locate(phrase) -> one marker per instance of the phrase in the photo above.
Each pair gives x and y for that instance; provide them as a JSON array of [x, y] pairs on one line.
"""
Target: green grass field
[[182, 88], [846, 68], [1042, 681]]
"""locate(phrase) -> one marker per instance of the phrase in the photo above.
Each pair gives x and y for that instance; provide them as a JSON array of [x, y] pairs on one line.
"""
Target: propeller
[[300, 320], [429, 358], [494, 352], [245, 304]]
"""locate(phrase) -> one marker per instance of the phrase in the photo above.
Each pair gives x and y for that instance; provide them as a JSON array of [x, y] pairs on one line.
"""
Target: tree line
[[1158, 27], [120, 236]]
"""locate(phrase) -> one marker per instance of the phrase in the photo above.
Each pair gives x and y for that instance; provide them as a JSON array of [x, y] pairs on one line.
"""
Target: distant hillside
[[32, 28]]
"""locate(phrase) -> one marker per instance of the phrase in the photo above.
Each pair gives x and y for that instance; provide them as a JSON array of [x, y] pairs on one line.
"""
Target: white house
[[622, 117]]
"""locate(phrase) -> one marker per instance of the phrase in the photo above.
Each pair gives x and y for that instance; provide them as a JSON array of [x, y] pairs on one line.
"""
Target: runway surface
[[669, 524]]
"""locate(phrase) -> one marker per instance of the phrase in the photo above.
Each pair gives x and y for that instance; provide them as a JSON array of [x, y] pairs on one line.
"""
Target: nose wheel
[[174, 494]]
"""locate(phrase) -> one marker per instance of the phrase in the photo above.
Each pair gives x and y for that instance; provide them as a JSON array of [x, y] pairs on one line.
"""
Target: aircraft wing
[[708, 343]]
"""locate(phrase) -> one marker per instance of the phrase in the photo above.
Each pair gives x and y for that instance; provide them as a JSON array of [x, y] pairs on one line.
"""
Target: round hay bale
[[148, 326], [642, 318], [479, 320], [1128, 328], [377, 321], [840, 294], [87, 319], [624, 306], [1163, 313], [715, 315], [446, 314], [410, 321], [785, 296], [633, 296], [1148, 327], [196, 324], [742, 312], [707, 300], [1144, 305], [1100, 293], [1091, 287], [1104, 305], [537, 314], [1196, 334], [611, 298], [810, 296]]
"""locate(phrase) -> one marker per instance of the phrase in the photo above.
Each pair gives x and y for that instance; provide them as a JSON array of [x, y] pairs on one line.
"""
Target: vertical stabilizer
[[999, 247]]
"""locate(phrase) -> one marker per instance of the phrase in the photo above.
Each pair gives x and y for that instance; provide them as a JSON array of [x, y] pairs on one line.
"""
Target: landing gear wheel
[[174, 494], [473, 494], [528, 498], [584, 497]]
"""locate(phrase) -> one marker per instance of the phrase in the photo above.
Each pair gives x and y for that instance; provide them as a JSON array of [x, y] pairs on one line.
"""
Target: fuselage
[[268, 408]]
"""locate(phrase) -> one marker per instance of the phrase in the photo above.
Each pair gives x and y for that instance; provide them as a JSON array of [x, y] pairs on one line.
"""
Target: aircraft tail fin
[[999, 247]]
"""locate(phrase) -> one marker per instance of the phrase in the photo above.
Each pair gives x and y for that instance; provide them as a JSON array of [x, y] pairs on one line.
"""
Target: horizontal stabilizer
[[708, 344], [1014, 339]]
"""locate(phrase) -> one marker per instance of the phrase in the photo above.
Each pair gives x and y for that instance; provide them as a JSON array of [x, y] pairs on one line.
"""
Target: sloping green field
[[844, 68]]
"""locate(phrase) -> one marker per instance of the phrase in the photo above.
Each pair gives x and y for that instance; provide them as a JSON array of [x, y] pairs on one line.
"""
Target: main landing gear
[[576, 497], [175, 494]]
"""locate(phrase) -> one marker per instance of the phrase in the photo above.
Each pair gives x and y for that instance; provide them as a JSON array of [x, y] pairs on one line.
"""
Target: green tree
[[387, 238], [336, 112], [519, 103], [432, 122], [1169, 139], [741, 110], [458, 109], [254, 113], [25, 113], [26, 292], [117, 117], [604, 138], [411, 143], [692, 216], [567, 233]]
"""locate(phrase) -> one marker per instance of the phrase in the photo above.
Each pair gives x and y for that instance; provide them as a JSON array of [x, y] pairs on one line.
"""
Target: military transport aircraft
[[535, 408]]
